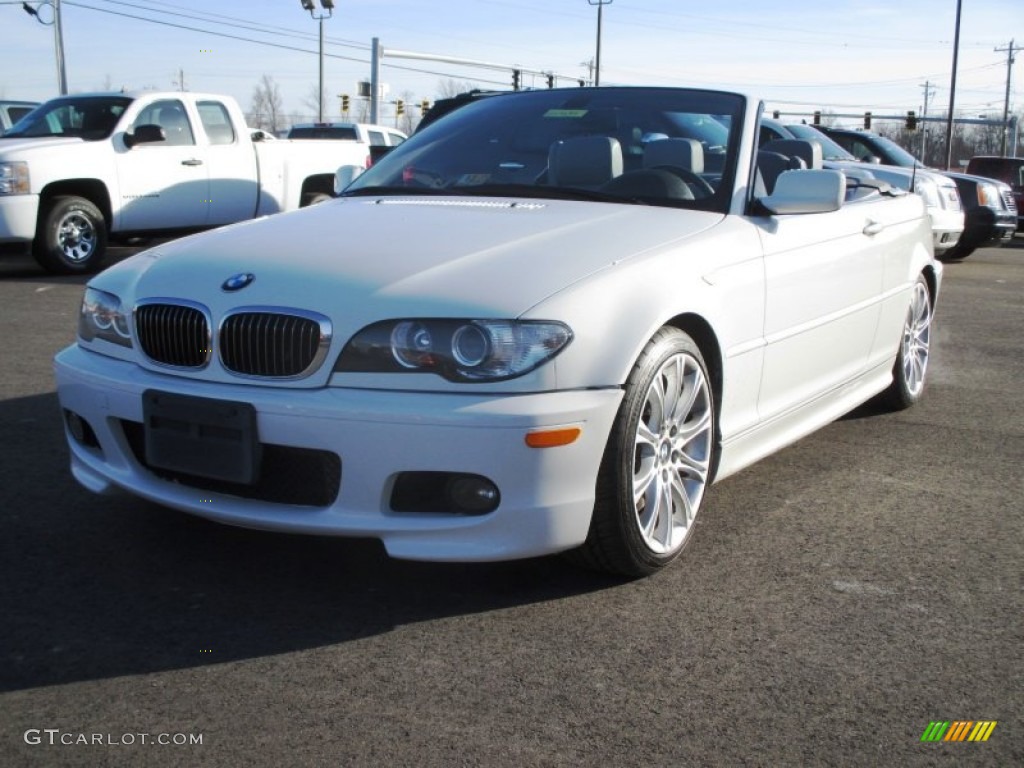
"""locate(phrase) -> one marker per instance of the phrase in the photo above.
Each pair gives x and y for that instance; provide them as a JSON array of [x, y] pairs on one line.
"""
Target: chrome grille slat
[[261, 342], [173, 334]]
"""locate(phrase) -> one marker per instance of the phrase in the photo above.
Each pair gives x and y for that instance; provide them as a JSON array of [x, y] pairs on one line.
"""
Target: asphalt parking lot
[[836, 599]]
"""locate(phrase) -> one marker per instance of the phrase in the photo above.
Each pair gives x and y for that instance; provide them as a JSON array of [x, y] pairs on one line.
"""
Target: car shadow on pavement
[[102, 586]]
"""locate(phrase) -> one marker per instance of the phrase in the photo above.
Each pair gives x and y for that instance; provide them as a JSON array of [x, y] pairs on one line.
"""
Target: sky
[[840, 56]]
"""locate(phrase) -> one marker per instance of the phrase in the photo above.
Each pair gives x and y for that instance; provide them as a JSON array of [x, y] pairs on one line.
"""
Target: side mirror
[[806, 191], [345, 176], [145, 134]]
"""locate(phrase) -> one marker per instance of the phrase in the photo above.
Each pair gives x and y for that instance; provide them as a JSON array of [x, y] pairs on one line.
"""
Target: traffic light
[[399, 107], [776, 115], [425, 106], [817, 117], [344, 103], [911, 121], [517, 79], [551, 81], [867, 120]]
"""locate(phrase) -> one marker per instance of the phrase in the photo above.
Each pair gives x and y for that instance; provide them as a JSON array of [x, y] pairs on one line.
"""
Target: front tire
[[72, 236], [911, 366], [657, 463]]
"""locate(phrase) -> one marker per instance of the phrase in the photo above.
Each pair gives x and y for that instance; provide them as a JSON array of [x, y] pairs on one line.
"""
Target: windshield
[[87, 117], [895, 153], [829, 149], [658, 146]]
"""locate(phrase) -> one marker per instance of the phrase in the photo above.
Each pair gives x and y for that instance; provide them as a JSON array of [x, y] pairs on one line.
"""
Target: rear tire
[[911, 366], [657, 463], [71, 237]]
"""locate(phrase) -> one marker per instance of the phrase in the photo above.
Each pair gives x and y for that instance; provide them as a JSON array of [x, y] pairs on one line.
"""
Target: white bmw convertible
[[547, 322]]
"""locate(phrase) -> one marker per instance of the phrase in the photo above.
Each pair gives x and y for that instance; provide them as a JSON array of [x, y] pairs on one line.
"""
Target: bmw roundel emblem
[[238, 282]]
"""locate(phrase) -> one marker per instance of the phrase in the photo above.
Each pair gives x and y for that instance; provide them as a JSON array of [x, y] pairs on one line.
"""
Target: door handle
[[872, 227], [193, 161]]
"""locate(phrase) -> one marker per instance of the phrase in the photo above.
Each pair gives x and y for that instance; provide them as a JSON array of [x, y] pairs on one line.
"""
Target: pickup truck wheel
[[72, 236], [657, 463], [908, 372]]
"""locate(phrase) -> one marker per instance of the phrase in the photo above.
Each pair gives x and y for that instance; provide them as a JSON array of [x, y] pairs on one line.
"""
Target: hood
[[10, 144], [358, 260]]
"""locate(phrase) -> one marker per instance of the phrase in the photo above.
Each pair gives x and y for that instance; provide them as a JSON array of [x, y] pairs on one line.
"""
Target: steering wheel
[[695, 182]]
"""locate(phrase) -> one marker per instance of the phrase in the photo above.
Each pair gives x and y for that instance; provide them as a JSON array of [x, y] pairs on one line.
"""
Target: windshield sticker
[[565, 113]]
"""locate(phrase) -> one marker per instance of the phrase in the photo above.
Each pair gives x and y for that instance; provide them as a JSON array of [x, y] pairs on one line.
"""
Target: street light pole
[[597, 65], [328, 6], [58, 38]]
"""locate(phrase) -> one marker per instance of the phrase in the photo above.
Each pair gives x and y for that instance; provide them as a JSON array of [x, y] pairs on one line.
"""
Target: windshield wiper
[[499, 190], [393, 190], [534, 191]]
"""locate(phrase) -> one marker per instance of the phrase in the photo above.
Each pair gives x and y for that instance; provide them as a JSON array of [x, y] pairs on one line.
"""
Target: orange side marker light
[[552, 438]]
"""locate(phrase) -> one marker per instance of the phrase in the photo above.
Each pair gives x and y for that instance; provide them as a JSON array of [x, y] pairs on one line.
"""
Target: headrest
[[584, 161], [679, 153], [807, 150]]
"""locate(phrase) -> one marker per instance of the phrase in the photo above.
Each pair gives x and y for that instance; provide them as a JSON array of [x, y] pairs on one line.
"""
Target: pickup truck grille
[[173, 334], [1009, 202], [273, 343]]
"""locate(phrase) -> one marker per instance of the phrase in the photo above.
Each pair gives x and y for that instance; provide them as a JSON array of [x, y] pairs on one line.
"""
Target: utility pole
[[952, 89], [929, 89], [1006, 101], [597, 67], [181, 79]]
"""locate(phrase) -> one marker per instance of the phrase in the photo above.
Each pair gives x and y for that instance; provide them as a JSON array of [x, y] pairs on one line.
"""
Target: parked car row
[[990, 208]]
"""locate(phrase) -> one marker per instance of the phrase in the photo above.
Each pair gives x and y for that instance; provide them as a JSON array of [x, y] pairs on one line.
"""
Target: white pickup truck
[[86, 168]]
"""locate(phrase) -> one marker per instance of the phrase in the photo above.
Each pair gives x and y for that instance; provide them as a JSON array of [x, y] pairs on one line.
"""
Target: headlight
[[14, 178], [988, 195], [929, 191], [952, 198], [103, 317], [458, 350]]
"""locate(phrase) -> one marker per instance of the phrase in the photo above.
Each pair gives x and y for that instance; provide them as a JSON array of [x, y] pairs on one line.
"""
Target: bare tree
[[448, 88], [312, 102], [265, 111]]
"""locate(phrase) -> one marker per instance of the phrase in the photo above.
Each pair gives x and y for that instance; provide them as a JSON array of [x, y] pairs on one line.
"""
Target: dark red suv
[[1009, 170]]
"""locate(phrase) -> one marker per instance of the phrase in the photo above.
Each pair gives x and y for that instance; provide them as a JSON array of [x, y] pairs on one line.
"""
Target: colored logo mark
[[959, 730], [238, 282]]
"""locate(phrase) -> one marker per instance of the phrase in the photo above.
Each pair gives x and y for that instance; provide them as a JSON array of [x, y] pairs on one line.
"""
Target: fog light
[[444, 493], [473, 494], [80, 429]]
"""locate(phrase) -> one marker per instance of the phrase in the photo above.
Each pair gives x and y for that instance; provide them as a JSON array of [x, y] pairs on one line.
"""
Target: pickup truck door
[[823, 281], [231, 165], [163, 185]]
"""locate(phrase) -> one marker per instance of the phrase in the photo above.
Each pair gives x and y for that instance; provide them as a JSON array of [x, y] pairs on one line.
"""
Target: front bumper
[[986, 227], [18, 218], [547, 494]]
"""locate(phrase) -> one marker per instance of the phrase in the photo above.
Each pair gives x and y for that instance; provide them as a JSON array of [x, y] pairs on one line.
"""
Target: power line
[[210, 32]]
